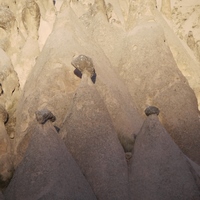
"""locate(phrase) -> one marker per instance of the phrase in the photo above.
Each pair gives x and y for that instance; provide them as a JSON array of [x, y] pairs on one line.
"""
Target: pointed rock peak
[[152, 110], [44, 115], [158, 165], [85, 65], [3, 114]]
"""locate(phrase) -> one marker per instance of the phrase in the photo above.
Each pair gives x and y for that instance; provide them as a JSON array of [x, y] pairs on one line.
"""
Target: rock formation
[[48, 171], [90, 137], [127, 56], [6, 165], [112, 90], [31, 18], [145, 73], [159, 166], [191, 40]]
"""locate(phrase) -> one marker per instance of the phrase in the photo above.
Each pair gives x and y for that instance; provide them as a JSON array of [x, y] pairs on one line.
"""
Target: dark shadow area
[[79, 74], [94, 78], [57, 129]]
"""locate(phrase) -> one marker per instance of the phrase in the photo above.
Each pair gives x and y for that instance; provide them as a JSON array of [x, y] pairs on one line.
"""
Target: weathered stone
[[31, 18], [90, 137], [52, 80], [152, 110], [153, 78], [166, 8], [44, 115], [48, 170], [6, 165], [159, 166], [10, 91], [191, 40], [84, 64], [123, 111]]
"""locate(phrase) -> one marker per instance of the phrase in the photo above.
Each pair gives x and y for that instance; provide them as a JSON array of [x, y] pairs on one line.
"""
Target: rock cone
[[48, 171], [90, 137], [158, 169]]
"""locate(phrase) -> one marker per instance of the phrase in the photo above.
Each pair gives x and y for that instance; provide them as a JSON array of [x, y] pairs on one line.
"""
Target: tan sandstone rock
[[52, 80], [166, 8], [152, 77]]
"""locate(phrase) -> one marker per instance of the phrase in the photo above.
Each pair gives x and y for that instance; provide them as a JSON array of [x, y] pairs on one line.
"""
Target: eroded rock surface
[[159, 166], [158, 81], [48, 171], [90, 137], [127, 55], [53, 80], [6, 164]]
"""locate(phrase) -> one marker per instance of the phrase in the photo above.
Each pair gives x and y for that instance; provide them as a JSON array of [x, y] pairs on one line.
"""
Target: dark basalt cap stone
[[84, 64], [152, 110], [44, 115]]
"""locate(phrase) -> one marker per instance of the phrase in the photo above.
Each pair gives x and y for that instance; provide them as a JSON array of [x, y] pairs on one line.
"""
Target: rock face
[[128, 55], [90, 137], [146, 68], [62, 83], [6, 165], [48, 171], [159, 166]]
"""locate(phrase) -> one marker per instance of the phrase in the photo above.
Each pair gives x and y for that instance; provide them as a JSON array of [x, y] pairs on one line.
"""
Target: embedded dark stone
[[84, 64], [152, 110], [44, 115]]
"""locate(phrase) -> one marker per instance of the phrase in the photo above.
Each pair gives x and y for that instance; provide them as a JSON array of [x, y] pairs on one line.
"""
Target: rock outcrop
[[54, 74], [90, 137], [48, 170], [127, 55], [158, 81], [6, 165], [159, 166]]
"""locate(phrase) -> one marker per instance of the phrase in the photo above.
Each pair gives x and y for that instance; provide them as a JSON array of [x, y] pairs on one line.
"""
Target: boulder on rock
[[48, 170], [158, 169], [90, 137]]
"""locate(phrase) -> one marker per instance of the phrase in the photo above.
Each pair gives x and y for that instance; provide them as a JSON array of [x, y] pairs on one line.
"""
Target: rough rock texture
[[1, 196], [9, 90], [138, 53], [159, 82], [90, 137], [48, 171], [159, 166], [53, 80], [6, 165]]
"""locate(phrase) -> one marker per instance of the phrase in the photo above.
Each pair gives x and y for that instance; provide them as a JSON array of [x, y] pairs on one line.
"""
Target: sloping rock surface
[[48, 171], [159, 170], [90, 137]]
